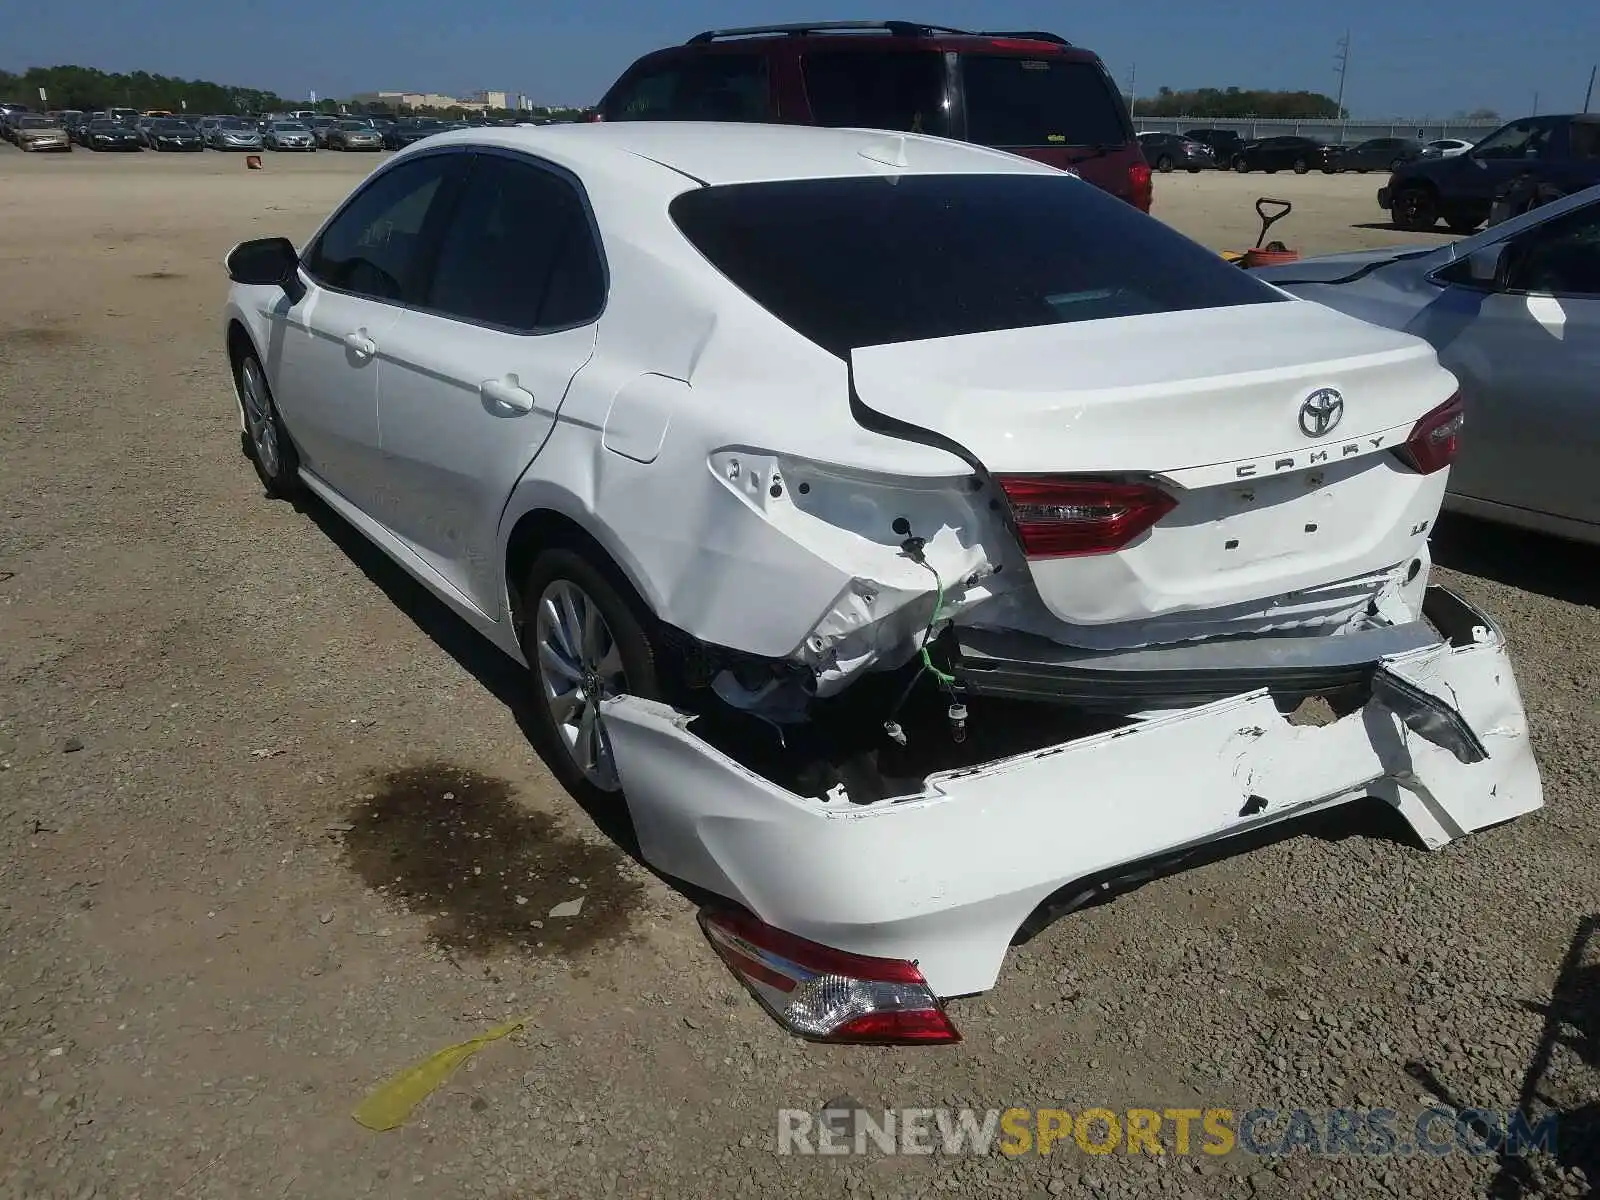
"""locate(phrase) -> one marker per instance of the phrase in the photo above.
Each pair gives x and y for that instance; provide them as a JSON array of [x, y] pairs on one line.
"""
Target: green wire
[[938, 604]]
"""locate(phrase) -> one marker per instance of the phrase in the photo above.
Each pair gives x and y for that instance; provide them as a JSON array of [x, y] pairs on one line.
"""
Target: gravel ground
[[249, 773]]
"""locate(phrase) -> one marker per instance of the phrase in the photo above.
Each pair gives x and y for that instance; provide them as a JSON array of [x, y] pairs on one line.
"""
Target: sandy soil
[[269, 831]]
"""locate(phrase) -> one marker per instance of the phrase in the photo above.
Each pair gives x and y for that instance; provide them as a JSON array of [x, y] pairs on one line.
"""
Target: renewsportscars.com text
[[1333, 1132]]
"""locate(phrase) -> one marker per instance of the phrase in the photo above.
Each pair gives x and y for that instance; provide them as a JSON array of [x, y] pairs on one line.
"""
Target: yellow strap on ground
[[389, 1104]]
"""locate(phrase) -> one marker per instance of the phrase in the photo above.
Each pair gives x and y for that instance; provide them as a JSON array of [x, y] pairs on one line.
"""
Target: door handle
[[359, 344], [507, 393]]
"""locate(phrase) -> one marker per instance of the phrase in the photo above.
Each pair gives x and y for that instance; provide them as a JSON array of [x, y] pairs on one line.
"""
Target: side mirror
[[1487, 265], [267, 262]]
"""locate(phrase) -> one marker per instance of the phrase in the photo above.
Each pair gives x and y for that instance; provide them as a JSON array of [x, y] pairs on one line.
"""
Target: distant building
[[478, 102]]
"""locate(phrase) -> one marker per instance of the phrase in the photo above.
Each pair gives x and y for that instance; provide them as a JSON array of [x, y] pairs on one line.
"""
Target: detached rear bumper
[[946, 877]]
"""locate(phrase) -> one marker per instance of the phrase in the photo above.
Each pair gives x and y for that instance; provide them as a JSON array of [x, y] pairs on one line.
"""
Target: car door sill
[[392, 544]]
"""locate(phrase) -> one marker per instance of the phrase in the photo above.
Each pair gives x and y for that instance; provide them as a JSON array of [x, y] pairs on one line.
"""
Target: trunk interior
[[843, 754]]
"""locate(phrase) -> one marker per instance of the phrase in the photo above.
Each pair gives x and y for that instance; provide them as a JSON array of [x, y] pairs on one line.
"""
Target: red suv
[[1033, 94]]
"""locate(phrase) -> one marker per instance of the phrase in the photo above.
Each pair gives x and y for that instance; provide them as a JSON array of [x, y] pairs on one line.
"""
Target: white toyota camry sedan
[[915, 539]]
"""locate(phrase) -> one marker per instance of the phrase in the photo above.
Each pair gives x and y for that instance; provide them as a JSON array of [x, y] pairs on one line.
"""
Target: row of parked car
[[128, 129], [1197, 150]]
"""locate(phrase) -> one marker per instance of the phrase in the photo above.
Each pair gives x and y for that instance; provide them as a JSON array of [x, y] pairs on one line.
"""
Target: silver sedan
[[289, 135], [1515, 313]]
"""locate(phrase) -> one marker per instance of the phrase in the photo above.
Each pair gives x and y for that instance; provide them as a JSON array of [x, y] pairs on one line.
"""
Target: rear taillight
[[1435, 439], [1063, 518], [1140, 189], [595, 117], [828, 995]]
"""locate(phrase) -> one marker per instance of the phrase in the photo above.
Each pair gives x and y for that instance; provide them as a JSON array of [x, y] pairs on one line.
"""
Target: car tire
[[1361, 170], [1164, 164], [1463, 223], [266, 441], [1301, 166], [1415, 207], [1241, 166], [1396, 164], [618, 653]]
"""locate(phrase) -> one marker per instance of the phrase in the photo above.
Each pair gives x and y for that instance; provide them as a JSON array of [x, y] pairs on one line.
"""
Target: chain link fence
[[1342, 133]]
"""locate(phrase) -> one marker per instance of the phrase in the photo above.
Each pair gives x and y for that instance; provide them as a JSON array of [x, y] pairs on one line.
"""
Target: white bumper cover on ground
[[945, 878]]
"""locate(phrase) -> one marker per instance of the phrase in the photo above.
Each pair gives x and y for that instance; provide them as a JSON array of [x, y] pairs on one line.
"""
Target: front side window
[[868, 261], [519, 252], [1520, 139], [1040, 102], [1562, 256], [374, 246], [877, 89], [710, 87]]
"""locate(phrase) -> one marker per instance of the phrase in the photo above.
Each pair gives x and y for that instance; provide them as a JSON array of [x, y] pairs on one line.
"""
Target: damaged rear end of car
[[1096, 552]]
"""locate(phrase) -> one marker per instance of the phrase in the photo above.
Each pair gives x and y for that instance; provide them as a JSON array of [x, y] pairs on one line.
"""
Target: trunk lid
[[1208, 406]]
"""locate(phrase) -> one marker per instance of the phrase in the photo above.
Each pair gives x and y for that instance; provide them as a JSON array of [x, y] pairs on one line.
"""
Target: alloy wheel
[[579, 664], [258, 417]]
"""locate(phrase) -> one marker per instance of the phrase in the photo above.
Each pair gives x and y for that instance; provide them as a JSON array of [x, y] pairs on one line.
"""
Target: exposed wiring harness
[[958, 712]]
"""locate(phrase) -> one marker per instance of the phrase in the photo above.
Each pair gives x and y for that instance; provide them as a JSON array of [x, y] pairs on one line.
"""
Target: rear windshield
[[870, 261], [877, 89], [1041, 102]]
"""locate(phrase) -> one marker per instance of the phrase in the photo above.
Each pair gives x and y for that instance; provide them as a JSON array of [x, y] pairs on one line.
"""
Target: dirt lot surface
[[270, 831]]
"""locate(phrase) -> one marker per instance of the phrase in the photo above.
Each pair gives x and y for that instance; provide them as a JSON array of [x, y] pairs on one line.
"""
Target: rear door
[[476, 373], [1058, 109], [1528, 359]]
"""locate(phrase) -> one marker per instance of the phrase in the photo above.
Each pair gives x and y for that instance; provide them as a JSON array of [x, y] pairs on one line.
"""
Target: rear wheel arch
[[541, 529]]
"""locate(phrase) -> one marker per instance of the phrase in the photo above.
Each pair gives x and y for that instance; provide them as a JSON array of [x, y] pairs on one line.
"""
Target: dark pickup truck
[[1558, 153]]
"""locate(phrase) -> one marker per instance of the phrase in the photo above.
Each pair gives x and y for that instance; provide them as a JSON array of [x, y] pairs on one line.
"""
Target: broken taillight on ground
[[1435, 439], [1062, 518], [829, 995]]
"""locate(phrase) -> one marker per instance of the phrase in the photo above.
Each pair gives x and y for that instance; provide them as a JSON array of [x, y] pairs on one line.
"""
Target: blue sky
[[1428, 59]]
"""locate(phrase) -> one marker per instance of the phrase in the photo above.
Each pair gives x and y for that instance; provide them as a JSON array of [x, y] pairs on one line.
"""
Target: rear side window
[[869, 89], [866, 261], [1040, 102], [706, 87], [374, 246], [519, 252]]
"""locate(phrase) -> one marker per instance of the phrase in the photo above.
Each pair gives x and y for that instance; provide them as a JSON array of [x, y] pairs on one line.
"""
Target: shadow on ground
[[1571, 1023], [1391, 227], [1535, 562]]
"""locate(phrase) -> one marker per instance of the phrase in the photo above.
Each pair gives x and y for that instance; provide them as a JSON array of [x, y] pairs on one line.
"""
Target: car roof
[[710, 152]]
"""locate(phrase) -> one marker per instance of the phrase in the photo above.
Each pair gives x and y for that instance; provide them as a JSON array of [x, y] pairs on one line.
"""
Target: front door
[[323, 356], [1500, 158]]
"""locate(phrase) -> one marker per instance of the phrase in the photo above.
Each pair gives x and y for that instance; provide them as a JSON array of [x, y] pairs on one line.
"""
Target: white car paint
[[678, 429]]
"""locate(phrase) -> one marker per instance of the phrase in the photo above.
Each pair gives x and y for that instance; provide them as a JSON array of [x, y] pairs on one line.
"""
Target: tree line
[[92, 90], [89, 89], [1237, 103]]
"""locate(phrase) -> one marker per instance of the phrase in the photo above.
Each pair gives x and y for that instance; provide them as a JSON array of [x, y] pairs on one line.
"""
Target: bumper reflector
[[828, 995]]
